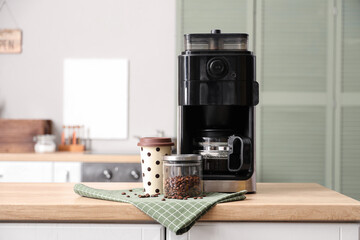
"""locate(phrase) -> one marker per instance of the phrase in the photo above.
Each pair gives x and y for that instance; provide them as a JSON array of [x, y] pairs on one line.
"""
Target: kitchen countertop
[[70, 157], [294, 202]]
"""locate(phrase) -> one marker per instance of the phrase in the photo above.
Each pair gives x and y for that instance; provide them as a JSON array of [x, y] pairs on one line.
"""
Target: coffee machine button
[[217, 67]]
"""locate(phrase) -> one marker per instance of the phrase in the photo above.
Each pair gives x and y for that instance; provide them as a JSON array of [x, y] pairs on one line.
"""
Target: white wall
[[142, 31]]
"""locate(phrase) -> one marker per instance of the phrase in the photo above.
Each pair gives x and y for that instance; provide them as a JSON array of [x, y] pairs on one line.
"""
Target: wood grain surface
[[70, 157], [17, 135], [293, 202]]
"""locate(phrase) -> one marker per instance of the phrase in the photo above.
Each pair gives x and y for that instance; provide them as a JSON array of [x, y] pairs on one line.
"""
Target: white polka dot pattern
[[152, 167]]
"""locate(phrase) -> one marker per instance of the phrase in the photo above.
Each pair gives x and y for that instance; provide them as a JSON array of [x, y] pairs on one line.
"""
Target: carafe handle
[[236, 153]]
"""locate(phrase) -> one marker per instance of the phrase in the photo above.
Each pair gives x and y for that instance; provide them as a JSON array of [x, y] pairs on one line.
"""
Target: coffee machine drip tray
[[230, 186]]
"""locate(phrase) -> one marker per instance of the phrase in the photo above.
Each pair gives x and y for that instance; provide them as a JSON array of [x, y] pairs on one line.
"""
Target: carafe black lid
[[216, 41]]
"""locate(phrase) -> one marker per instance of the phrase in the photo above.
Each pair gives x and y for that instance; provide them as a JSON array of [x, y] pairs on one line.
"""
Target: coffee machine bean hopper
[[217, 95]]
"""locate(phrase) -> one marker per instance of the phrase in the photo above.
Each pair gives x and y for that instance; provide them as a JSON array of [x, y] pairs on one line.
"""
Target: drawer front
[[25, 171], [67, 172], [65, 231], [270, 231]]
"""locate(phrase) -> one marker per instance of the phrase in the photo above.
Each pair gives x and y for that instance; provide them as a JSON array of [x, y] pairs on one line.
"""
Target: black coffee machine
[[217, 98]]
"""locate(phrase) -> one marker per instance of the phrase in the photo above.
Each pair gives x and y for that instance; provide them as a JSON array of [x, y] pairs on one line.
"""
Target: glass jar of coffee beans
[[182, 176]]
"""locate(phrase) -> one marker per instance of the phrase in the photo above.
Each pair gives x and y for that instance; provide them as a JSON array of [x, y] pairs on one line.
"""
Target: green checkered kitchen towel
[[177, 215]]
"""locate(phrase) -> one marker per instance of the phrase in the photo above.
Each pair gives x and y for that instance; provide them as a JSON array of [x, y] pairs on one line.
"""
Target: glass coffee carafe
[[214, 152], [222, 151]]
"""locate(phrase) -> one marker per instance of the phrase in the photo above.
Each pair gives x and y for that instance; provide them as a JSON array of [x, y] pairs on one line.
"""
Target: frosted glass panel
[[350, 152], [293, 144], [351, 46], [96, 95], [294, 45]]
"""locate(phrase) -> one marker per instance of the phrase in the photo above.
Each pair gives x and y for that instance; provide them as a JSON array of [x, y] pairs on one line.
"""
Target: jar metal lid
[[183, 157], [45, 137]]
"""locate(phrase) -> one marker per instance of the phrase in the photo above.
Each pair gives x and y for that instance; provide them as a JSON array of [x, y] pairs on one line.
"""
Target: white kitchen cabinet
[[270, 231], [68, 231], [67, 171], [26, 171]]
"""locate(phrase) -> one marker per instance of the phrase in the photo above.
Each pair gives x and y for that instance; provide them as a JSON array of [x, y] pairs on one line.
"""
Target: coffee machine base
[[230, 186]]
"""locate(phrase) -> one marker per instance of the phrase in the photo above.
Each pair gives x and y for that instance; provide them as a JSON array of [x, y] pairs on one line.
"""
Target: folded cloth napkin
[[177, 215]]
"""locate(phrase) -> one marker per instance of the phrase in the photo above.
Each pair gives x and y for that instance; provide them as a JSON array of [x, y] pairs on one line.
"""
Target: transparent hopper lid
[[216, 41]]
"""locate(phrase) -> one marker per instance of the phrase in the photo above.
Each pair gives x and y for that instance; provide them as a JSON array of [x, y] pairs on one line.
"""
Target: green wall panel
[[294, 46], [350, 151], [351, 46], [293, 144]]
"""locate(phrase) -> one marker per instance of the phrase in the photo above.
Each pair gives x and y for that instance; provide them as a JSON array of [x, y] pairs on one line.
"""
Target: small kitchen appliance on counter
[[217, 98]]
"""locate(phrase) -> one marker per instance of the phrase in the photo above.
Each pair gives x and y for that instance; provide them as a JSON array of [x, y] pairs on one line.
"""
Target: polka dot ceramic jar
[[152, 151]]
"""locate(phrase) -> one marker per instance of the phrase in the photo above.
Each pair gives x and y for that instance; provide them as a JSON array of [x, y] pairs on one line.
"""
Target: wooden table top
[[294, 202]]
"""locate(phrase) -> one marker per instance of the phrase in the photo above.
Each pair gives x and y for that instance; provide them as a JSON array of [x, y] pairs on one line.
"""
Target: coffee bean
[[127, 196], [143, 174], [140, 196], [142, 149], [195, 197], [147, 195], [130, 190], [200, 197], [163, 199], [123, 193], [142, 160], [184, 186]]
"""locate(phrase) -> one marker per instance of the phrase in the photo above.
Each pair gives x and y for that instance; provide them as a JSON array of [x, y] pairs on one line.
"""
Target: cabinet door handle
[[67, 177]]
